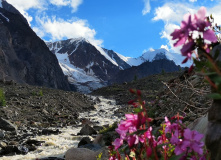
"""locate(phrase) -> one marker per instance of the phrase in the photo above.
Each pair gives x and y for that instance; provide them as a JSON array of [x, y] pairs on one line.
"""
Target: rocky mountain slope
[[90, 67], [147, 68], [24, 57], [87, 66]]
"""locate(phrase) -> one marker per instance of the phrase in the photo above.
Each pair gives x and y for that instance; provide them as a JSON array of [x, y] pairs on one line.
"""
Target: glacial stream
[[57, 145]]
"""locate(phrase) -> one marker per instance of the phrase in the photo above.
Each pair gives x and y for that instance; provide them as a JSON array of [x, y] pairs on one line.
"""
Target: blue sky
[[128, 27]]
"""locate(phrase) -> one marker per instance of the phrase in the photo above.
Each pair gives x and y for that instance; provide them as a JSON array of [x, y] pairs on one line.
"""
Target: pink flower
[[148, 133], [149, 151], [170, 128], [117, 143], [112, 158], [188, 48], [129, 125], [200, 19], [132, 139], [183, 33], [179, 149], [197, 22], [209, 35], [192, 140]]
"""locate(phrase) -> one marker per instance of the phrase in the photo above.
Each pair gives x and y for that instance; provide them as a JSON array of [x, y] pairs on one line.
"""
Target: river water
[[57, 145]]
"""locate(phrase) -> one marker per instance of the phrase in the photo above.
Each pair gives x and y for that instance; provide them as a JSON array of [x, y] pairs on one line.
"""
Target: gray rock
[[7, 126], [2, 134], [84, 141], [87, 130], [3, 144], [93, 147]]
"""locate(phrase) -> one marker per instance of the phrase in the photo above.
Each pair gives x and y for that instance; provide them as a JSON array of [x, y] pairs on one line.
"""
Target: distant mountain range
[[90, 67]]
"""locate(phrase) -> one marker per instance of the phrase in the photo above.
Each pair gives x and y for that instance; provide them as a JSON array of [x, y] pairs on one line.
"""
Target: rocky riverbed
[[32, 111], [48, 143]]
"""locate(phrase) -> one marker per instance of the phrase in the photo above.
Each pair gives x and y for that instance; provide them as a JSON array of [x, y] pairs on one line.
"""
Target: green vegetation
[[2, 98], [111, 127], [99, 156], [40, 93], [162, 71], [135, 78]]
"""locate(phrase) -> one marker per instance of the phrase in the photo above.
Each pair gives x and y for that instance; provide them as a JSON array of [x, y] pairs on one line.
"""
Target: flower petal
[[210, 35]]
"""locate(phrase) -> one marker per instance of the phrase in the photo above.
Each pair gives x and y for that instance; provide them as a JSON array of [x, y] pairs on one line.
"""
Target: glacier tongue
[[84, 81]]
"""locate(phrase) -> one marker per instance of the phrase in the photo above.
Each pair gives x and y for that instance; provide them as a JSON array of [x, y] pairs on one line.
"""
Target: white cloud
[[24, 5], [39, 32], [193, 0], [60, 2], [27, 4], [147, 7], [165, 47], [59, 29], [73, 3], [172, 12]]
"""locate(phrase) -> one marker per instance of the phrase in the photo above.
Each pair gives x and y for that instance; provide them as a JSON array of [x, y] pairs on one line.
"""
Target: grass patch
[[2, 98], [111, 127]]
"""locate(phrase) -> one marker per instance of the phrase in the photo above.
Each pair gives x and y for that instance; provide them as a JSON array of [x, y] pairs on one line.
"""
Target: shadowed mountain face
[[145, 69], [24, 57]]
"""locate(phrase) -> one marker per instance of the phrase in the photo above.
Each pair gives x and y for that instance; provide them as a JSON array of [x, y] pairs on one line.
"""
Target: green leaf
[[176, 157], [199, 64], [216, 79], [214, 96], [138, 132], [209, 74], [137, 110]]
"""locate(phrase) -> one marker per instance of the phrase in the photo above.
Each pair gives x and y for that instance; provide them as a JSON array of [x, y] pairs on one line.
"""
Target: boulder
[[50, 131], [80, 154], [85, 154], [87, 130], [84, 140], [7, 126]]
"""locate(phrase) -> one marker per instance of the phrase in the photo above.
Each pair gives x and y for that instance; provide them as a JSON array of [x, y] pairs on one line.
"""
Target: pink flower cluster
[[190, 24], [184, 140], [132, 123]]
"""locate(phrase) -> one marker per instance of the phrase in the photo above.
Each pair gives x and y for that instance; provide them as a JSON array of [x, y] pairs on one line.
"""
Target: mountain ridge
[[78, 58]]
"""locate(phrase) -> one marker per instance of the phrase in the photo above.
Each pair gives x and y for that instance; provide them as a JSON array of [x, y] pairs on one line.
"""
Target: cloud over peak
[[73, 3], [59, 29]]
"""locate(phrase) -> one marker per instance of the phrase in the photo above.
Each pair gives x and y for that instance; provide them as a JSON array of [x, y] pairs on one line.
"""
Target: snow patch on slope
[[85, 81], [4, 15], [106, 55]]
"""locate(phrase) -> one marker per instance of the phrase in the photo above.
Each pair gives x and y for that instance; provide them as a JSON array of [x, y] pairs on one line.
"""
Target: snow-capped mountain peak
[[155, 54], [78, 40]]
